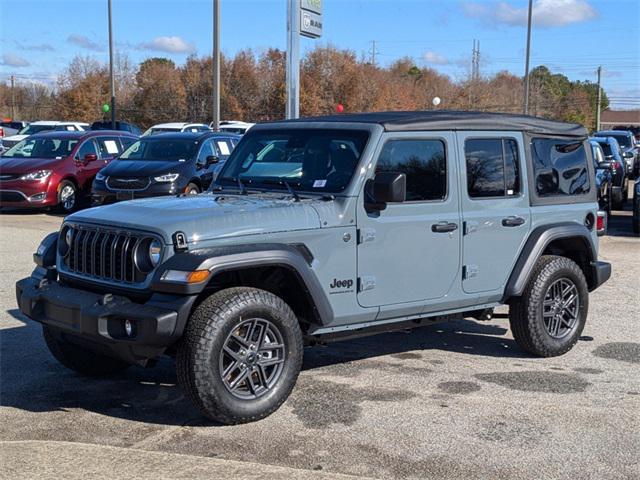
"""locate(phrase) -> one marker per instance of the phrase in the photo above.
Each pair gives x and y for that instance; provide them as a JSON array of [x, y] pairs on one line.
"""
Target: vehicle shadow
[[32, 380], [31, 211]]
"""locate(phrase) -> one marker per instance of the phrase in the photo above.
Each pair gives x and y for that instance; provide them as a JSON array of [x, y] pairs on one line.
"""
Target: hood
[[207, 216], [25, 165], [143, 168]]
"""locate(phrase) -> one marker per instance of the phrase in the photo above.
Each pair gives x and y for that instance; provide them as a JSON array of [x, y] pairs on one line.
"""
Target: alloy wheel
[[560, 308], [68, 197], [252, 359]]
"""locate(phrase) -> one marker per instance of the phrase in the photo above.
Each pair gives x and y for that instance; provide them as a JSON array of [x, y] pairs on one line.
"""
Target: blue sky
[[38, 38]]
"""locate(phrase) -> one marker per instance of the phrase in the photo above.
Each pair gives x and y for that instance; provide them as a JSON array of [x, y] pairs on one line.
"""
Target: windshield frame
[[283, 183]]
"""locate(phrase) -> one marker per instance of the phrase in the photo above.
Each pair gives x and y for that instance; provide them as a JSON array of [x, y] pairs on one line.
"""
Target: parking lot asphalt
[[456, 400]]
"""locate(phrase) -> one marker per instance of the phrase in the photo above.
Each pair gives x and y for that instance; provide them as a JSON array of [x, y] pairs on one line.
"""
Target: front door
[[495, 209], [410, 251]]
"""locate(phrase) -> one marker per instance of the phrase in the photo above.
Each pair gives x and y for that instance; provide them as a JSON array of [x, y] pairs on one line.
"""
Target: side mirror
[[386, 187], [90, 157], [605, 165], [212, 159]]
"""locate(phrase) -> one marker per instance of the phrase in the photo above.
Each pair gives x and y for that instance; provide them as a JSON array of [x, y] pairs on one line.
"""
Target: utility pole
[[373, 52], [216, 65], [112, 84], [599, 100], [293, 59], [526, 68], [13, 98]]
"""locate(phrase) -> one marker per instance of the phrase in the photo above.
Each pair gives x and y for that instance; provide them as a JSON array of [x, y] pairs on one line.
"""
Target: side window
[[108, 146], [424, 164], [559, 167], [87, 147], [492, 167], [127, 142], [205, 151]]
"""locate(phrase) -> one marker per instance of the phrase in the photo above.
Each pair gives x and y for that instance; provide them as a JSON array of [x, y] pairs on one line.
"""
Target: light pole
[[112, 84], [292, 109], [526, 68], [215, 124]]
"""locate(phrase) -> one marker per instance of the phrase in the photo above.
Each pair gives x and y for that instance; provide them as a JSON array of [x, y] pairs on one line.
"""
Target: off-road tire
[[525, 312], [80, 359], [197, 361]]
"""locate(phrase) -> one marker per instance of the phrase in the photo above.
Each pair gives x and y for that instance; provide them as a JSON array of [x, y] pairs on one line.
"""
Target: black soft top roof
[[453, 120]]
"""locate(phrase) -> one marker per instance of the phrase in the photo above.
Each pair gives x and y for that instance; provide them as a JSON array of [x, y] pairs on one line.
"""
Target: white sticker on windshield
[[111, 146], [224, 148], [319, 183]]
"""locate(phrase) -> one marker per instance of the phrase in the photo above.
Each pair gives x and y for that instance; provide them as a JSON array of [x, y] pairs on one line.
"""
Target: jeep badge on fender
[[259, 266]]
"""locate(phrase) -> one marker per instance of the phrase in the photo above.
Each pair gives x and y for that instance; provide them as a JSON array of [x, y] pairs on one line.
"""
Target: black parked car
[[164, 164], [614, 161], [604, 180], [636, 207], [122, 126], [627, 142]]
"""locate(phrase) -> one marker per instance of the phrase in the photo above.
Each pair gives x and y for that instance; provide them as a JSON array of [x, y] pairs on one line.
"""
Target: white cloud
[[11, 60], [169, 45], [85, 42], [435, 58], [546, 13], [42, 47]]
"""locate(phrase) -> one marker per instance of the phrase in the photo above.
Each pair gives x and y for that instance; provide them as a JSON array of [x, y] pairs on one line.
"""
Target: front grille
[[95, 252], [9, 196], [115, 183]]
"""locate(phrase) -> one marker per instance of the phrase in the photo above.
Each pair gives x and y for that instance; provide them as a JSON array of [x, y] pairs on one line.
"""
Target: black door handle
[[512, 221], [444, 227]]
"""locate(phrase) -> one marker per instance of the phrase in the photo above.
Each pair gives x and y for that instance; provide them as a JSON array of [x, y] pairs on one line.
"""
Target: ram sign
[[311, 18]]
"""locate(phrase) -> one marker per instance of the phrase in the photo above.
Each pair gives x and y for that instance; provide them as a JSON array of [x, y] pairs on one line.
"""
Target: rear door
[[495, 207]]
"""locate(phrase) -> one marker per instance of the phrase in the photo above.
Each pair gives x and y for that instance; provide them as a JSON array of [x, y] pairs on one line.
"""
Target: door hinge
[[366, 235], [366, 283], [470, 271]]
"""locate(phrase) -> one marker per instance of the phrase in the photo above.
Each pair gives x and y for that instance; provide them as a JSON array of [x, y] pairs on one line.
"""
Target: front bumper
[[602, 273], [97, 321]]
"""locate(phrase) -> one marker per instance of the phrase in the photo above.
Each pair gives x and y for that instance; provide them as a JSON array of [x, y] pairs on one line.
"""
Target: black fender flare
[[535, 245], [235, 257]]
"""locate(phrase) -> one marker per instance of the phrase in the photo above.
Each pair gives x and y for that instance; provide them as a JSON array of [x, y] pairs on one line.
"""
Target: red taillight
[[601, 222], [615, 165], [1, 132]]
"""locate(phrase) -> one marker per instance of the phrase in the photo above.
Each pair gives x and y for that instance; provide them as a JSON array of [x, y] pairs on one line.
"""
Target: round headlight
[[68, 236], [155, 249], [64, 241]]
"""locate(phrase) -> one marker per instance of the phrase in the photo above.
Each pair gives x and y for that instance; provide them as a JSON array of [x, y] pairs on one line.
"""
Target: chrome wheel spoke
[[560, 308]]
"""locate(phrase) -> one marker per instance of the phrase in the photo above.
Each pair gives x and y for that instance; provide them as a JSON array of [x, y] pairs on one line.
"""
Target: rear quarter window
[[559, 167]]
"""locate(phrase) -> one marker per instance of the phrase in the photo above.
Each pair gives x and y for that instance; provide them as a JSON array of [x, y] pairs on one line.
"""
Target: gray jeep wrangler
[[322, 229]]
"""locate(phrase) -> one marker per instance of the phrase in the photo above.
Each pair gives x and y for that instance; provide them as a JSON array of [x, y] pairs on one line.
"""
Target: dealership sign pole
[[112, 83], [304, 17]]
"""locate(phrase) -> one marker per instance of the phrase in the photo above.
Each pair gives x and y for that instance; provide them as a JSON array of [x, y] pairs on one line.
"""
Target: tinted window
[[422, 161], [623, 139], [205, 151], [85, 148], [492, 167], [559, 166], [154, 148], [42, 148]]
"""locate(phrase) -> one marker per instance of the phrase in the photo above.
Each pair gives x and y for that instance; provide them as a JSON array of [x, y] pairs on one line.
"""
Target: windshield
[[623, 140], [153, 131], [309, 159], [42, 148], [31, 129], [161, 149]]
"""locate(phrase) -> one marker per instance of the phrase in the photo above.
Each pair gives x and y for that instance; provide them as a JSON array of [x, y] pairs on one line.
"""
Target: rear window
[[559, 167], [492, 167]]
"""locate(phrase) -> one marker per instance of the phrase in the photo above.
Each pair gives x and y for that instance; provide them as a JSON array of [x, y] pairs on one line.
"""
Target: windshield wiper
[[291, 191], [287, 185], [243, 189]]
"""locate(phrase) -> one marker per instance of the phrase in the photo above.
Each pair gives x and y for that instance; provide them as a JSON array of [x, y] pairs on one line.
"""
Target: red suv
[[56, 169]]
